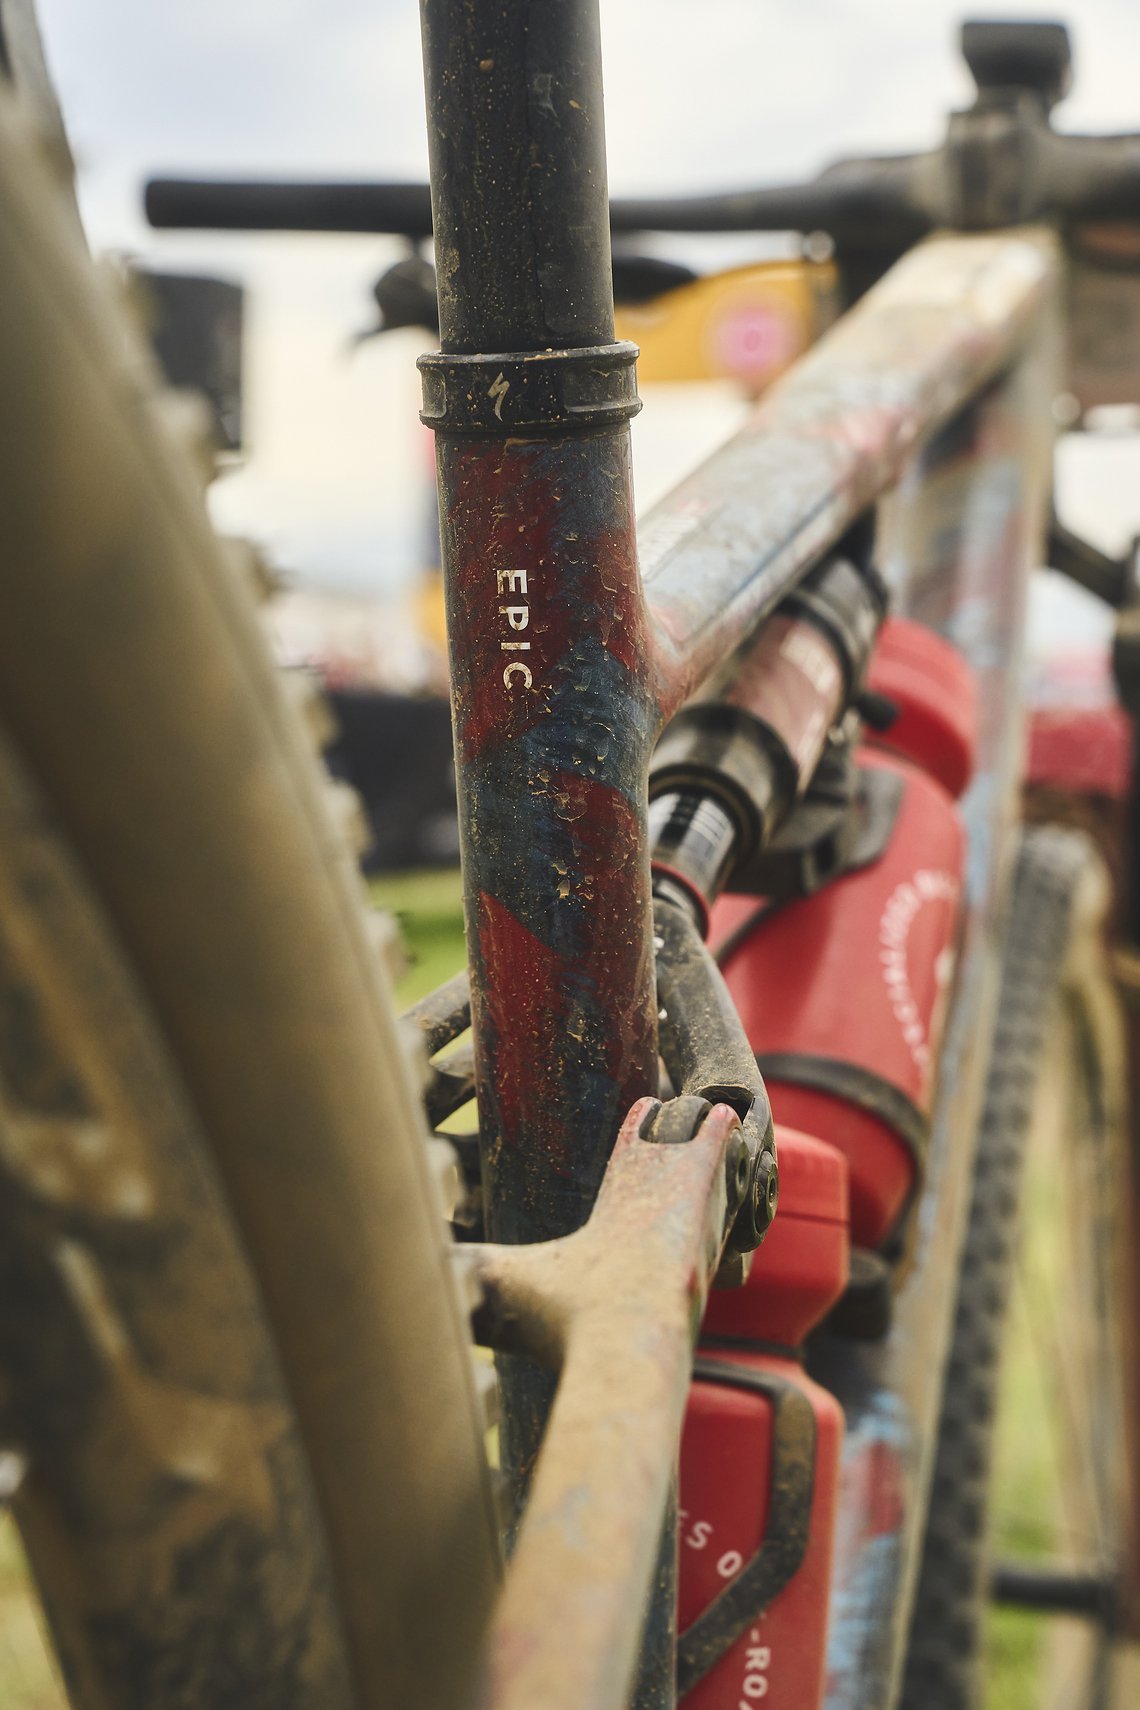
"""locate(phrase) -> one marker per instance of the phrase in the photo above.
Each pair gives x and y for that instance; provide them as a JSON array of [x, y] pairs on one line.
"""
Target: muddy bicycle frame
[[573, 638]]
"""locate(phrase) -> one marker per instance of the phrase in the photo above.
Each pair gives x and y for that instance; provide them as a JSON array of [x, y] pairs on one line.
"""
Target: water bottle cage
[[791, 1484]]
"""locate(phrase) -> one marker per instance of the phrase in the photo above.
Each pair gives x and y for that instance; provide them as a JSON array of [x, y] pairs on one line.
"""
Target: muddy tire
[[1057, 1037], [220, 1203]]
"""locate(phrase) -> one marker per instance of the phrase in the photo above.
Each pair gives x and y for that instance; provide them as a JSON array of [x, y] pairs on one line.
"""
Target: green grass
[[429, 908], [1023, 1478], [28, 1679], [1027, 1474], [1023, 1467]]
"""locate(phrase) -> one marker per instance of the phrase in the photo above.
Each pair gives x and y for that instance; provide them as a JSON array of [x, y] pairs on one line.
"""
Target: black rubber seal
[[547, 392], [858, 1086]]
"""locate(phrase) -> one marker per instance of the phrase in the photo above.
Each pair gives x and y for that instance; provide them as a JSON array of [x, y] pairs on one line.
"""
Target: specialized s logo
[[929, 885], [498, 390]]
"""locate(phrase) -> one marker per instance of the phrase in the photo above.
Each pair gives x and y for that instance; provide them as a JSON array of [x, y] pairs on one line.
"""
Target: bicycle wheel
[[139, 705], [1043, 1232], [164, 1504]]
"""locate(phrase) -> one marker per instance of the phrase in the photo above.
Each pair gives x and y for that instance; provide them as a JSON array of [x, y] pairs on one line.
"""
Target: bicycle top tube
[[827, 440]]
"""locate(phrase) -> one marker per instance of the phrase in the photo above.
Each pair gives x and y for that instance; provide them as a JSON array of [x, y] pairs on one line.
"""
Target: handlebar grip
[[847, 204], [247, 205], [1095, 178], [857, 202], [861, 203]]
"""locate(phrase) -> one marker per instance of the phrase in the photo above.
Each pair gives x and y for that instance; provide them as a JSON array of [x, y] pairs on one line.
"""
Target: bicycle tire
[[1058, 877], [164, 1503], [137, 693]]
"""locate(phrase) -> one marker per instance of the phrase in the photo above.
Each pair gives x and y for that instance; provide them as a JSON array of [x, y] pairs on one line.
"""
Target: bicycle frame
[[965, 526], [566, 661]]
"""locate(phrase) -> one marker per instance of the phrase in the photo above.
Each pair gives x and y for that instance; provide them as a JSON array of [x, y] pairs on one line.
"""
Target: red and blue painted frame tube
[[550, 660], [553, 727], [829, 437], [552, 702]]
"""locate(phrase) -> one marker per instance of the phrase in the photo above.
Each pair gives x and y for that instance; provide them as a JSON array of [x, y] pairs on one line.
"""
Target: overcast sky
[[699, 93]]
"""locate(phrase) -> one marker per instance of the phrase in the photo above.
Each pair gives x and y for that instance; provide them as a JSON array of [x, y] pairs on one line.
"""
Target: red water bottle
[[935, 698], [843, 994], [760, 1460]]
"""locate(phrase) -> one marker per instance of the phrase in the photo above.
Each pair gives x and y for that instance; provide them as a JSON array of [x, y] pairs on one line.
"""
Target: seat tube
[[554, 717]]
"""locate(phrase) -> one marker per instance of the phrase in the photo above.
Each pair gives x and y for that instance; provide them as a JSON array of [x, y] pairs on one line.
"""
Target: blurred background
[[335, 474]]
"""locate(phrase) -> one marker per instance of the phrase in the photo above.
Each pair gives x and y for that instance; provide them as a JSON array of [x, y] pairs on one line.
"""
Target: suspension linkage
[[615, 1308], [707, 1059]]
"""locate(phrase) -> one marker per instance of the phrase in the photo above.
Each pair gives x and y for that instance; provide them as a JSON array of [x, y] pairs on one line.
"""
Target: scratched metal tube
[[551, 670], [518, 174], [616, 1307], [827, 439], [553, 724]]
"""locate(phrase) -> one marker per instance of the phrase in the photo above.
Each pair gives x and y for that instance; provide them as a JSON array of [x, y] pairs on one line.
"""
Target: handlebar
[[862, 204], [845, 201], [1001, 164], [247, 205]]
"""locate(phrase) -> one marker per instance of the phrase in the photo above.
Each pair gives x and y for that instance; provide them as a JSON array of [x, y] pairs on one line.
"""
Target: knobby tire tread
[[944, 1658]]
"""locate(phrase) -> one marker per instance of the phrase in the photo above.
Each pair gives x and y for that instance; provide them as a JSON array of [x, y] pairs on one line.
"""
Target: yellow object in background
[[747, 324], [431, 612]]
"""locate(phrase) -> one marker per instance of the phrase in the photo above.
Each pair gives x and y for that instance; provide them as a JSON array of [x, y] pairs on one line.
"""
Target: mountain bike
[[736, 844]]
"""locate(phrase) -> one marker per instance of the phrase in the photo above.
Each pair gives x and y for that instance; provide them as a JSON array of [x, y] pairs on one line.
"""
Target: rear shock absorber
[[727, 773]]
